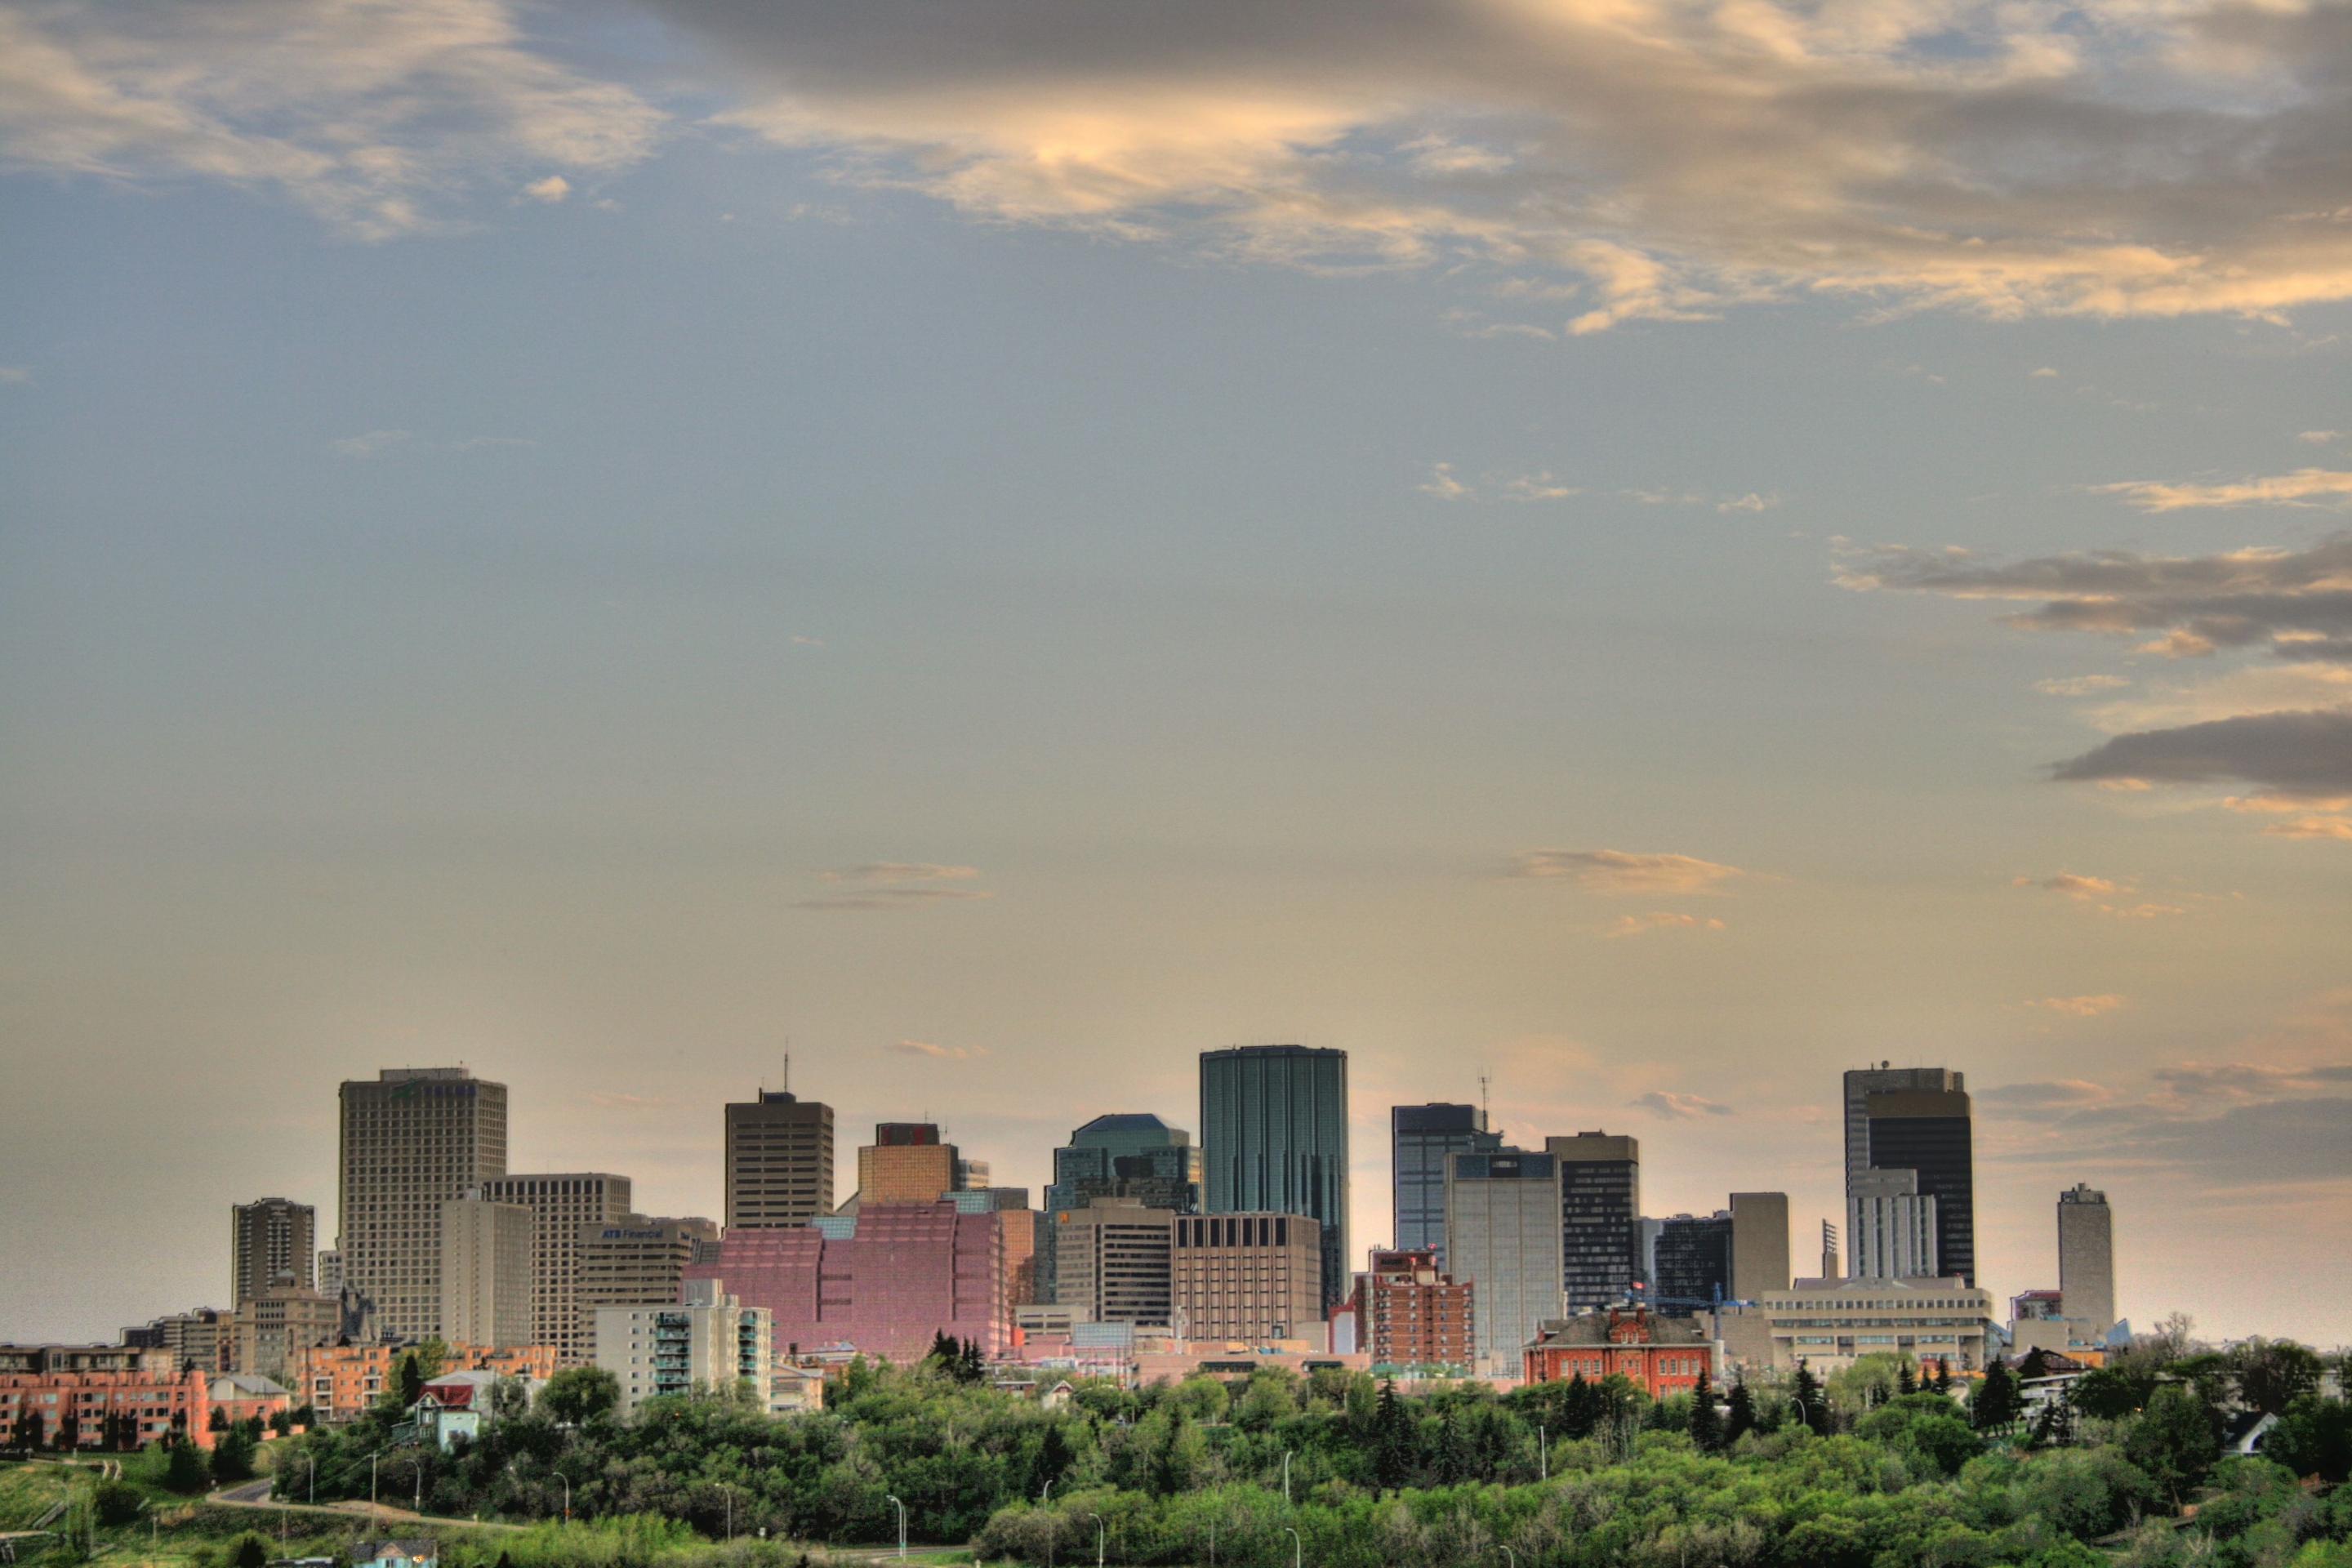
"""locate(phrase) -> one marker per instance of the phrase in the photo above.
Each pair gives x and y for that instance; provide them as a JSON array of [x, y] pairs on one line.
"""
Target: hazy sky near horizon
[[1656, 553]]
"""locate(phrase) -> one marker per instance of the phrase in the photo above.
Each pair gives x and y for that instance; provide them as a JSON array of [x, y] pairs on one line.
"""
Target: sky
[[1621, 556]]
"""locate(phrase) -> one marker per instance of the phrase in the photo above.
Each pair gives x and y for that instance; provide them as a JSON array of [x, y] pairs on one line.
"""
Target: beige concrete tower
[[486, 1296], [779, 1161], [2086, 1257], [413, 1138], [562, 1203], [268, 1238]]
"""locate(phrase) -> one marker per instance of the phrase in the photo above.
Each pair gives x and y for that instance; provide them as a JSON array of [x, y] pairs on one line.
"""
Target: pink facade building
[[907, 1272]]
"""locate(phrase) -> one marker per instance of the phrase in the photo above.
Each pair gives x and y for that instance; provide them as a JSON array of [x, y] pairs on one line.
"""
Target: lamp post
[[1099, 1534], [373, 1512], [1512, 1555], [902, 1528], [1297, 1546], [311, 1498], [1285, 1473], [559, 1476], [1046, 1496], [1543, 1452]]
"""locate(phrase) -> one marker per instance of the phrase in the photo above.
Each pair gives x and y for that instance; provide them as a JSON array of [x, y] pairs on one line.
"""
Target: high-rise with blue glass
[[1274, 1140], [1419, 1138], [1127, 1154]]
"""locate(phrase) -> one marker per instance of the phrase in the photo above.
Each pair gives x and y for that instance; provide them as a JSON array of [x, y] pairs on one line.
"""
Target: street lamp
[[1100, 1533], [1543, 1452], [1295, 1545], [312, 1497], [1285, 1473], [1512, 1555], [1047, 1495], [902, 1528], [559, 1476]]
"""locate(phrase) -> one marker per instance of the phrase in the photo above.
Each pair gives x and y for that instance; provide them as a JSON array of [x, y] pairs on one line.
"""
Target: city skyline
[[2046, 1276], [1656, 556]]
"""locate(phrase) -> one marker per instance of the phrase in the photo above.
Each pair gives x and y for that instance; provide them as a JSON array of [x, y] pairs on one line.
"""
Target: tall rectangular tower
[[1253, 1277], [779, 1160], [1274, 1137], [268, 1238], [1863, 1082], [1693, 1262], [1890, 1227], [1759, 1244], [560, 1202], [1930, 1132], [636, 1261], [413, 1138], [486, 1295], [2086, 1257], [1599, 1216], [1502, 1217], [1113, 1262], [1419, 1138]]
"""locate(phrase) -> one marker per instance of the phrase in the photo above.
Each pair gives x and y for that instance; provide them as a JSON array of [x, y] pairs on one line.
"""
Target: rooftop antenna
[[1483, 1116], [787, 1085]]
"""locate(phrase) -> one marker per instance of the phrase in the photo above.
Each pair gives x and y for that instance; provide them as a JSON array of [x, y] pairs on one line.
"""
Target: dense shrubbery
[[1857, 1474]]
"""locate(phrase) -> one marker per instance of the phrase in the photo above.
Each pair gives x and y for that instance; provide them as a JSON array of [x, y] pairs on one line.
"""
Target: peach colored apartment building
[[339, 1381], [140, 1407]]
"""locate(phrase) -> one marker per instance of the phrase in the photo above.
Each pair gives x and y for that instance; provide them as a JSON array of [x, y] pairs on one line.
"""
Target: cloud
[[16, 374], [2072, 886], [2295, 604], [2319, 438], [369, 445], [2079, 1006], [1617, 871], [2046, 370], [1642, 160], [2079, 685], [1671, 1107], [2321, 826], [895, 884], [2065, 1092], [478, 443], [938, 1053], [630, 1101], [2292, 754], [554, 188], [2305, 487], [1661, 919], [371, 115], [799, 641], [1444, 485], [901, 871]]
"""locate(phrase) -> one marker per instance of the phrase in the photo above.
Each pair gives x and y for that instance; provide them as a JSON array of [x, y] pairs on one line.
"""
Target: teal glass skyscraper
[[1273, 1139]]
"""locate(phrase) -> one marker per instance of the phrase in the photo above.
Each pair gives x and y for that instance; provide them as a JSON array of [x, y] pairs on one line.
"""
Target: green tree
[[578, 1394], [117, 1503], [1705, 1423], [1740, 1419], [2172, 1440], [252, 1552], [185, 1470], [2314, 1437], [1394, 1442], [408, 1379], [233, 1453], [1906, 1378], [1943, 1375], [1805, 1393], [1996, 1403], [2274, 1374], [2108, 1392]]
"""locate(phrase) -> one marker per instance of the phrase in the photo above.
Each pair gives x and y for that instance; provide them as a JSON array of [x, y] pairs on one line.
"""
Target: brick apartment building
[[100, 1401], [1410, 1314]]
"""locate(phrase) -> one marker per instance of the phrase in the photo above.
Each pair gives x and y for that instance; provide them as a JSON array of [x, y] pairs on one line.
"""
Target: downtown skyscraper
[[412, 1139], [1420, 1139], [1273, 1138]]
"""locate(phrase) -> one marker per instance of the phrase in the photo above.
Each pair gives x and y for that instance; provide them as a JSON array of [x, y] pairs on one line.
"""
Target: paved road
[[256, 1495]]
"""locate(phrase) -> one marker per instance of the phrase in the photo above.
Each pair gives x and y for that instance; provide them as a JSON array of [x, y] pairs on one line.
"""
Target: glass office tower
[[1419, 1138], [1273, 1138]]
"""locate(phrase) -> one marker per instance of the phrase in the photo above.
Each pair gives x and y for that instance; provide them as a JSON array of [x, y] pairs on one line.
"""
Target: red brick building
[[1658, 1356], [1408, 1314]]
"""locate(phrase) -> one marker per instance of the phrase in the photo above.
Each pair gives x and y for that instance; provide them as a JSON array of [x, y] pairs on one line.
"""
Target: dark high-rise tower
[[1863, 1082], [779, 1161], [1274, 1137], [1599, 1216], [268, 1237], [1419, 1138], [1928, 1130]]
